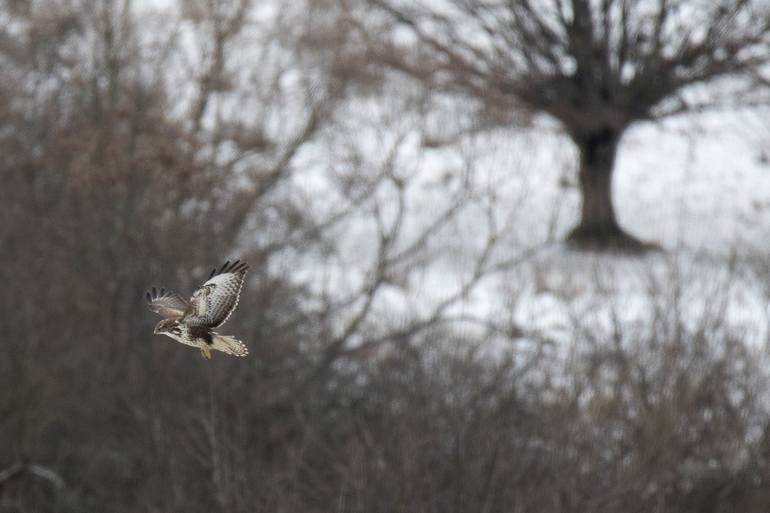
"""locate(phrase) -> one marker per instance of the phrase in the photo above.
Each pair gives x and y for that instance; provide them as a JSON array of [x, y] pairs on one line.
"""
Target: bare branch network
[[596, 66]]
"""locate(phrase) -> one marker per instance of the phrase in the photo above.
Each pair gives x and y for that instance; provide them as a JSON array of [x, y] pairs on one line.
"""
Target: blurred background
[[505, 256]]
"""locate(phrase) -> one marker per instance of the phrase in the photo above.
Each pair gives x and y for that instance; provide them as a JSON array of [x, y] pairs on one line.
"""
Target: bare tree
[[598, 67]]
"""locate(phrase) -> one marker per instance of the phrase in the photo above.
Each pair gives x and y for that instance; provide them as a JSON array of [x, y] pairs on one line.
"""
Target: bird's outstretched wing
[[216, 299], [166, 303]]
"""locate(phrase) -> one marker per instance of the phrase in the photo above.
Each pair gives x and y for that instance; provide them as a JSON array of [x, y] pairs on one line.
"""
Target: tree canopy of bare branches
[[597, 67]]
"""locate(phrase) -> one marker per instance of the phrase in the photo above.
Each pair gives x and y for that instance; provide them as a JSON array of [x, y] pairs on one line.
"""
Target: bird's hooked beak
[[157, 330]]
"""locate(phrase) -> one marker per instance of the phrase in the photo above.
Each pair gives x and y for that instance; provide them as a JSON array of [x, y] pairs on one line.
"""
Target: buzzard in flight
[[191, 322]]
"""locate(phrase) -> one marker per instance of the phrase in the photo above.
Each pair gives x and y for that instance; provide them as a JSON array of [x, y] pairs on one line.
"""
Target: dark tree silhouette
[[596, 66]]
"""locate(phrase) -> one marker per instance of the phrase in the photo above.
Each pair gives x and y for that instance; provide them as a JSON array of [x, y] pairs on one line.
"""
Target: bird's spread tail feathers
[[229, 345]]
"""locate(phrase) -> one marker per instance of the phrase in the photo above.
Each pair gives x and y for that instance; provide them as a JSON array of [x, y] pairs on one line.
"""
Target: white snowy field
[[699, 187]]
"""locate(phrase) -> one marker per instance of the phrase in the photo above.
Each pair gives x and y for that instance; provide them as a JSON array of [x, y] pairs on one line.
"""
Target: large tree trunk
[[599, 228]]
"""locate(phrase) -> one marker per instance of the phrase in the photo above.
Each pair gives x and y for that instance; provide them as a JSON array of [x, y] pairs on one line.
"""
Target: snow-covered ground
[[699, 187]]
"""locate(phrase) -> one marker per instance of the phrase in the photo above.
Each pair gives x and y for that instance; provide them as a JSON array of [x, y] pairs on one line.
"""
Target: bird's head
[[168, 327]]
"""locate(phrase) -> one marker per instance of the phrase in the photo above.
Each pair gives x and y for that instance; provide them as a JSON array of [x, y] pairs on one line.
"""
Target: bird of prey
[[191, 322]]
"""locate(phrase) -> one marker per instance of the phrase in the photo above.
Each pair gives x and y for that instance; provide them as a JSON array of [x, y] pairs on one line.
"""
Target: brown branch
[[18, 470]]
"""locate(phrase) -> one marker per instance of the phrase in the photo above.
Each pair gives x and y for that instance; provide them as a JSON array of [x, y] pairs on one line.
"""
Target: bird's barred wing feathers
[[216, 299], [166, 303]]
